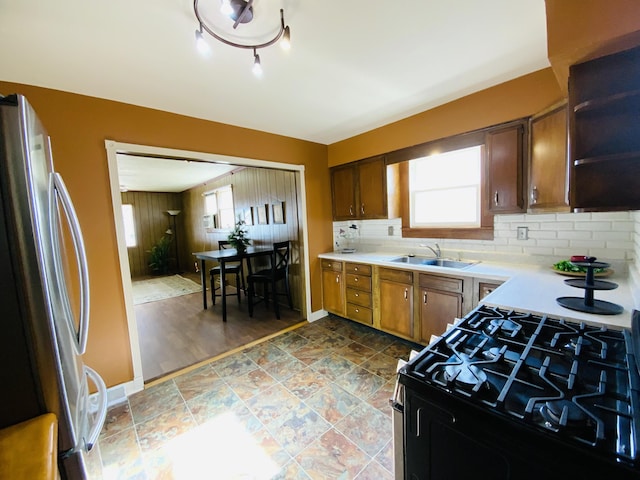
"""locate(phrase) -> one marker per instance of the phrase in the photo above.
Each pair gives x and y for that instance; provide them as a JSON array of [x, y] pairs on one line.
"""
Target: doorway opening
[[114, 149]]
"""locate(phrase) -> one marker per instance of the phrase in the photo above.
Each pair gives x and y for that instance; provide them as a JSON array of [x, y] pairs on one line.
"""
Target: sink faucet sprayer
[[436, 251]]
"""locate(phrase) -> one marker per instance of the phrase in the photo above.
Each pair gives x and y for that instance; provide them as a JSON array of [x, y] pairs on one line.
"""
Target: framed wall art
[[278, 212], [263, 214], [247, 216]]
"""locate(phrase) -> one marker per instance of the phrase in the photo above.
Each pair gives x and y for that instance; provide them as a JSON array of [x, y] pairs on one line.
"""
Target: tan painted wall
[[508, 101], [79, 125], [578, 30]]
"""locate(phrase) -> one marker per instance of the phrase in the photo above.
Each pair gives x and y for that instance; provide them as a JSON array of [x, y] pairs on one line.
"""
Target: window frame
[[216, 216], [399, 160], [127, 231]]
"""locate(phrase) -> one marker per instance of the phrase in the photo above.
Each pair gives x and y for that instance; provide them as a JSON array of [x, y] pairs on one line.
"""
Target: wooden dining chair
[[232, 268], [278, 272]]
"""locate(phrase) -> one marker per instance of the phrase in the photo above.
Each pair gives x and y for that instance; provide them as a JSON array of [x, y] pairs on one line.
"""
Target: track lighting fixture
[[239, 11]]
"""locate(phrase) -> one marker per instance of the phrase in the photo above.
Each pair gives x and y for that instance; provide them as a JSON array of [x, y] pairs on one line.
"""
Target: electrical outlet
[[523, 233], [390, 230]]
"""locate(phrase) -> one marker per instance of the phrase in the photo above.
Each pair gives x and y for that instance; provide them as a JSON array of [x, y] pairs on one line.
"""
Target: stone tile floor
[[311, 403]]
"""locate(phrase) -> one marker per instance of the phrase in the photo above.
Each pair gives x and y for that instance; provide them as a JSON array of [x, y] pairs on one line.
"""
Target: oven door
[[447, 438]]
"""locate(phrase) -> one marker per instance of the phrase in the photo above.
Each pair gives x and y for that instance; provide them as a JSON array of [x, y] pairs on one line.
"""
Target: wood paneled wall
[[151, 222], [251, 187]]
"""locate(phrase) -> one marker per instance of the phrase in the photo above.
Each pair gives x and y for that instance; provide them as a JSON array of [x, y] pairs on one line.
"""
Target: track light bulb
[[257, 67], [285, 42], [201, 43], [226, 8]]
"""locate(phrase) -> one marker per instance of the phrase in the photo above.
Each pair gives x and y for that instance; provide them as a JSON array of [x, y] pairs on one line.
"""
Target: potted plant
[[238, 237], [159, 256]]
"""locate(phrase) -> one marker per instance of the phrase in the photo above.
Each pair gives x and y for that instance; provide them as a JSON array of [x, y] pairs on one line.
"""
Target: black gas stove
[[508, 394]]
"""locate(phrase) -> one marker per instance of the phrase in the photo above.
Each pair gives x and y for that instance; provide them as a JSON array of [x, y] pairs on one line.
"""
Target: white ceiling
[[151, 174], [354, 65]]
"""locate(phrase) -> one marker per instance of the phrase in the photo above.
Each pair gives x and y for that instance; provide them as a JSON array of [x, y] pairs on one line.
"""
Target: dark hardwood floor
[[177, 332]]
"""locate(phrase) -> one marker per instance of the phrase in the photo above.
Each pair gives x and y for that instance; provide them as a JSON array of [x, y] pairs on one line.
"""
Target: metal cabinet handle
[[424, 298], [406, 293], [357, 295], [355, 279], [337, 278], [357, 310], [362, 209], [495, 198], [534, 195], [351, 210]]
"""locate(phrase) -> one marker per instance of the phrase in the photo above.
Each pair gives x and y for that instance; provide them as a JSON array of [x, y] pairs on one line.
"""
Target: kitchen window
[[444, 189], [218, 204]]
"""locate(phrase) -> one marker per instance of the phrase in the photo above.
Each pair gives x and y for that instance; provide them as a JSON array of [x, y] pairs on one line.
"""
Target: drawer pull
[[357, 310], [495, 198], [355, 279], [351, 210], [357, 295], [406, 293], [424, 298]]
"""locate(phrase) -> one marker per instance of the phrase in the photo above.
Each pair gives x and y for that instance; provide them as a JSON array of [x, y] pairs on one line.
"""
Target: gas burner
[[576, 343], [464, 372], [504, 326], [563, 413], [495, 353]]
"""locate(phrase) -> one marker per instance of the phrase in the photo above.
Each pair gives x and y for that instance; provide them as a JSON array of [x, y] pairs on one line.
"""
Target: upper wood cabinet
[[548, 161], [604, 106], [359, 190], [505, 168]]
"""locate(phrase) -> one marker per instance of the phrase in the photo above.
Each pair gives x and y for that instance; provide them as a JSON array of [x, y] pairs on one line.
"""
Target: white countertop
[[529, 288]]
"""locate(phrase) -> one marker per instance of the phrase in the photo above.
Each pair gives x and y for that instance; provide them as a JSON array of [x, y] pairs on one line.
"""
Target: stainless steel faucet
[[436, 251]]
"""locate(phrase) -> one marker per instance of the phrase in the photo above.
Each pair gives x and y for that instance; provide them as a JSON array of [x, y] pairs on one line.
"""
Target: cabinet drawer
[[359, 281], [360, 313], [359, 268], [331, 265], [400, 276], [441, 283], [358, 297]]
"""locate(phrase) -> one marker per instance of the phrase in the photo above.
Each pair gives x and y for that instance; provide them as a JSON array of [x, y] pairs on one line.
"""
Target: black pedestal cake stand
[[588, 303]]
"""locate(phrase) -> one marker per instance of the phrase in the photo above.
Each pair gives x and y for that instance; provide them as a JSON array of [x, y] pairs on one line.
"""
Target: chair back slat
[[281, 255]]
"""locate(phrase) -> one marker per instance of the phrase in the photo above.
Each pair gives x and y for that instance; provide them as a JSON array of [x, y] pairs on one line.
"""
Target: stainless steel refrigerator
[[44, 293]]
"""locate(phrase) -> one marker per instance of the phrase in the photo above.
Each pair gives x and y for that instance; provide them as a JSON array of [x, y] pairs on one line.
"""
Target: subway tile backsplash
[[611, 236]]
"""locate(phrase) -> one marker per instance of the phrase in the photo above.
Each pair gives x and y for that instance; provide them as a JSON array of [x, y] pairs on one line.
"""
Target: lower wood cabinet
[[333, 287], [395, 293], [405, 303], [359, 304], [440, 304]]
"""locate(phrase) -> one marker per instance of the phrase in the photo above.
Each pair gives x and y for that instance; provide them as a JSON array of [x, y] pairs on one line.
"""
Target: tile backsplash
[[613, 237]]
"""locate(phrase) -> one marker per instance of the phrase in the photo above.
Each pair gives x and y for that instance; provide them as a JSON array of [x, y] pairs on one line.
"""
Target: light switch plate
[[523, 233]]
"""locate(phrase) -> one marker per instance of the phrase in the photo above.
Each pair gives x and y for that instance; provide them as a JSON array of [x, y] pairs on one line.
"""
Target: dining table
[[222, 257]]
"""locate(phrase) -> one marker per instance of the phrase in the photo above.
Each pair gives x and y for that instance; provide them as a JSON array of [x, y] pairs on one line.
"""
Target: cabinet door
[[333, 292], [396, 308], [504, 159], [343, 191], [437, 309], [549, 161], [372, 186]]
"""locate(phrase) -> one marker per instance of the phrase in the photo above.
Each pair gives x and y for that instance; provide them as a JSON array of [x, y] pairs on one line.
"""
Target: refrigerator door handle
[[56, 184], [101, 414]]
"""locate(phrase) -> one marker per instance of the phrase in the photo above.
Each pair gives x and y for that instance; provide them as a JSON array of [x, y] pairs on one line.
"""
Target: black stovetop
[[571, 380]]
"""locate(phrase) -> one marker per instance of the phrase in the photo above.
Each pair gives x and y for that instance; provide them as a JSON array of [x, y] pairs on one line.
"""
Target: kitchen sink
[[432, 262]]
